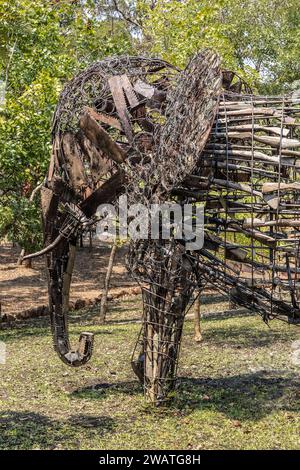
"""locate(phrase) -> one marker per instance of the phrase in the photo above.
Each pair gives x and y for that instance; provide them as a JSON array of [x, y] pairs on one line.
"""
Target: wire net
[[248, 179]]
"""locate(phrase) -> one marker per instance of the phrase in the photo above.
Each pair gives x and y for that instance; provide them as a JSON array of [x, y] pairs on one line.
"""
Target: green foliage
[[20, 221], [42, 45], [178, 29], [258, 39]]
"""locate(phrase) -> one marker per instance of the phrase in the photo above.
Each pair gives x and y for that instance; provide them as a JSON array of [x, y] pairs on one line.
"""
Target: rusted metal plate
[[116, 88], [101, 139], [129, 92], [104, 118]]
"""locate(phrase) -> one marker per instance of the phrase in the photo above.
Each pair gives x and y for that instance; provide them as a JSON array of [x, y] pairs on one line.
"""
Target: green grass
[[238, 389]]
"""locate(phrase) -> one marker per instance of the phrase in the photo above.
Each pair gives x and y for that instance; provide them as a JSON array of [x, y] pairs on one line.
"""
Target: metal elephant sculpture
[[142, 128]]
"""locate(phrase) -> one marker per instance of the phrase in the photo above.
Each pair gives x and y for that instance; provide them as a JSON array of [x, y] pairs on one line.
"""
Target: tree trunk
[[21, 256], [197, 317], [28, 263], [90, 241], [103, 305]]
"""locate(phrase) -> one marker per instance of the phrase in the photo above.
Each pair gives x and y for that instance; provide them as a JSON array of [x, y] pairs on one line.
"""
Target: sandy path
[[22, 288]]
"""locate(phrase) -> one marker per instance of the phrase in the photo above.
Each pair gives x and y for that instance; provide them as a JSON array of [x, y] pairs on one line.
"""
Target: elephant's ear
[[190, 112]]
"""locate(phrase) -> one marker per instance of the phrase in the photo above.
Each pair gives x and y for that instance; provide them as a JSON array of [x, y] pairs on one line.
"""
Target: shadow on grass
[[247, 336], [100, 391], [24, 430], [242, 397], [25, 281]]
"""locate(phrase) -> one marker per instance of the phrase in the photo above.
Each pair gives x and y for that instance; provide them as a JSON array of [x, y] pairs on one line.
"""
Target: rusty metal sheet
[[129, 92], [116, 88], [104, 118]]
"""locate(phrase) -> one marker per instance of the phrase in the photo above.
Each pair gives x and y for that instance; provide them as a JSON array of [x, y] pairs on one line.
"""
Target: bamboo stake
[[103, 304], [197, 318]]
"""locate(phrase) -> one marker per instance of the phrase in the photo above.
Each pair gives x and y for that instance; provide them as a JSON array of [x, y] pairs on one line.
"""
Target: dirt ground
[[24, 288]]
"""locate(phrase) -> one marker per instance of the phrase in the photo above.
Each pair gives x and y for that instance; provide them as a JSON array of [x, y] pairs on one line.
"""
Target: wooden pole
[[103, 305], [197, 317]]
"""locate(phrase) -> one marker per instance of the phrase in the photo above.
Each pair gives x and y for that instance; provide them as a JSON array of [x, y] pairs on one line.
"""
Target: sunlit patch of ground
[[23, 288]]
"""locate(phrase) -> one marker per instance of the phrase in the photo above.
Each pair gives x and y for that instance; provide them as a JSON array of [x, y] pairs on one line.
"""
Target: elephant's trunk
[[60, 268], [71, 357]]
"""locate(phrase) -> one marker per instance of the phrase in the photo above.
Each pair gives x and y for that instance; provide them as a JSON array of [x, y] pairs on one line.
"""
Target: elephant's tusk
[[47, 249]]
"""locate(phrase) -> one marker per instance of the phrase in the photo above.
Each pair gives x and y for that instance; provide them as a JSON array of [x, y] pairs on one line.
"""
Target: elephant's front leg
[[165, 301]]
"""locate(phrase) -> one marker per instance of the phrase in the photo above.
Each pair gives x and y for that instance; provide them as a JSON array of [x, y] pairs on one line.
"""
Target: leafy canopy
[[44, 43]]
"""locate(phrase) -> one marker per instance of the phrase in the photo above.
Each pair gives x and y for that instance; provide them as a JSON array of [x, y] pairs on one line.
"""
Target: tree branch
[[8, 64], [124, 16]]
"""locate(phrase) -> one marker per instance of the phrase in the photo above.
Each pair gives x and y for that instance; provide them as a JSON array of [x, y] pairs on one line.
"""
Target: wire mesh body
[[248, 179]]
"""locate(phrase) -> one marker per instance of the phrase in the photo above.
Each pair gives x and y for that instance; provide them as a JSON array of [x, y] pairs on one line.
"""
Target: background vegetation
[[44, 43]]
